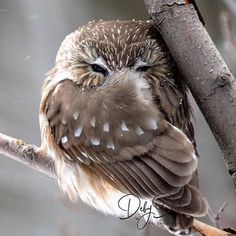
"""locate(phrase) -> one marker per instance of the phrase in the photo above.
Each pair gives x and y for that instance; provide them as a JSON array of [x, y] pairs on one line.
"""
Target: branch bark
[[27, 154], [208, 77]]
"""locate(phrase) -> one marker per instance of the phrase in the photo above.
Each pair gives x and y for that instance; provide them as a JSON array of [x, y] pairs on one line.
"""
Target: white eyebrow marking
[[139, 131], [106, 127], [64, 139], [152, 124], [124, 127], [76, 115], [78, 131], [95, 141], [100, 62], [111, 145], [140, 63], [93, 121]]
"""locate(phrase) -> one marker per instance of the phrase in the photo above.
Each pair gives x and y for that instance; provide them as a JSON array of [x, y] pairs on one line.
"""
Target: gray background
[[30, 34]]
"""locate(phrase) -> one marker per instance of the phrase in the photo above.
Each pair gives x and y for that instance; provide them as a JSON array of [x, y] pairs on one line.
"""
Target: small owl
[[115, 119]]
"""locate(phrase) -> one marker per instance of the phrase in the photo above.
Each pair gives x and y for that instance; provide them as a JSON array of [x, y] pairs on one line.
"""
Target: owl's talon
[[30, 152]]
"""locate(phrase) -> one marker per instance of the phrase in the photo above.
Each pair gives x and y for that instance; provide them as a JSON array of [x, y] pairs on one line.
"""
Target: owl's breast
[[107, 118]]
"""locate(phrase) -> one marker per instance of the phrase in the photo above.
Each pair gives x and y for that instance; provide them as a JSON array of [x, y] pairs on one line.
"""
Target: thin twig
[[221, 210], [212, 216], [215, 217]]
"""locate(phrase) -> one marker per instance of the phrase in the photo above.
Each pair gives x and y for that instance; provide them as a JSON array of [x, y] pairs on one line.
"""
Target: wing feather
[[149, 162]]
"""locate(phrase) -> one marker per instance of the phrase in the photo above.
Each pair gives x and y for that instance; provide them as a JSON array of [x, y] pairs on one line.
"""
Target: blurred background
[[30, 34]]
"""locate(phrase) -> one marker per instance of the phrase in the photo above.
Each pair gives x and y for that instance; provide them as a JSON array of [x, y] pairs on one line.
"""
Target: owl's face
[[98, 51]]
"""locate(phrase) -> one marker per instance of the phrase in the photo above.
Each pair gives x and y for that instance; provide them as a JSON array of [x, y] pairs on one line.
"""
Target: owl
[[116, 121]]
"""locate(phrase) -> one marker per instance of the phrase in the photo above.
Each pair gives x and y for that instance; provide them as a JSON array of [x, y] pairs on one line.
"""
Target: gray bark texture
[[26, 154], [207, 76]]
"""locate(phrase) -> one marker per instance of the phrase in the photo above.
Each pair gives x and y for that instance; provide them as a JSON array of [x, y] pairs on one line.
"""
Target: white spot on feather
[[64, 121], [111, 145], [95, 141], [64, 139], [78, 131], [76, 115], [124, 126], [139, 131], [93, 122], [106, 127], [152, 124]]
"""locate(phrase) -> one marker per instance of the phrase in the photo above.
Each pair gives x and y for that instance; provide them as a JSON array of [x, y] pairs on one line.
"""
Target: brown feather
[[127, 130]]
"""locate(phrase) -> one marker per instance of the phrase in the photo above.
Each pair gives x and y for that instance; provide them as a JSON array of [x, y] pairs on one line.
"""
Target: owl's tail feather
[[189, 202], [177, 212]]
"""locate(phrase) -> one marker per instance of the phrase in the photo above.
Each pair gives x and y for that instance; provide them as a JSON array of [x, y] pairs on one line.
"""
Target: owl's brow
[[99, 61]]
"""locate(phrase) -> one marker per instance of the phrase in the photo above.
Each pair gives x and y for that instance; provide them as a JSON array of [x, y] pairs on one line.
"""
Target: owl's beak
[[120, 75], [128, 77]]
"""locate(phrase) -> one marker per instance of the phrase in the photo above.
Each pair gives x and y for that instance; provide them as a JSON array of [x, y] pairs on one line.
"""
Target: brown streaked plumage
[[115, 119]]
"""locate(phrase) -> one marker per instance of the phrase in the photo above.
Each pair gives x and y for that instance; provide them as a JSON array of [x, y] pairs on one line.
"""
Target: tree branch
[[207, 230], [27, 154], [208, 77]]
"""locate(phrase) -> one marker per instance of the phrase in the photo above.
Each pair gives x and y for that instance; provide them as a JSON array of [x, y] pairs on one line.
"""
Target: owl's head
[[99, 51]]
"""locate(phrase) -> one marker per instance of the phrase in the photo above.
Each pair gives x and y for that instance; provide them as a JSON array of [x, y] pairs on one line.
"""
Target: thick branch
[[27, 154], [208, 77]]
